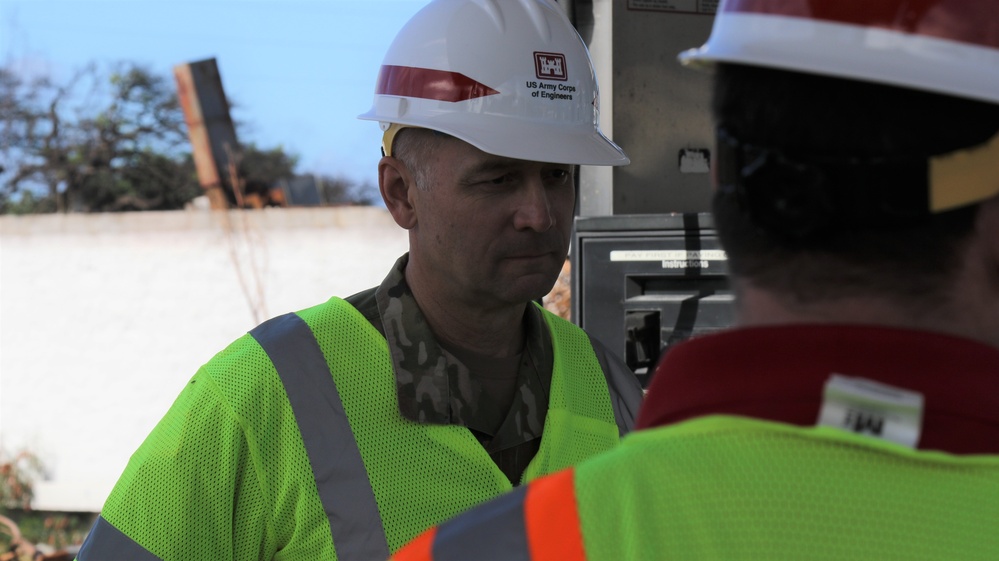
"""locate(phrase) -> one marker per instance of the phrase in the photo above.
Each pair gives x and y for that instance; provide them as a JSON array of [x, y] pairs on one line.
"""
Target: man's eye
[[558, 176], [499, 180]]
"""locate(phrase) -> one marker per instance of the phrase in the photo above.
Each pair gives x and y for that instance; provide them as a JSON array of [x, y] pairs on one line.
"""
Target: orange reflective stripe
[[420, 549], [551, 518]]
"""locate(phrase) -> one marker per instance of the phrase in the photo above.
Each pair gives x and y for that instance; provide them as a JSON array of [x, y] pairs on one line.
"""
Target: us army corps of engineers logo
[[550, 67]]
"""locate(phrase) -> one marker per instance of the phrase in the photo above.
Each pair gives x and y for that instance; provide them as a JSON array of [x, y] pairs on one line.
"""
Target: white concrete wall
[[103, 318]]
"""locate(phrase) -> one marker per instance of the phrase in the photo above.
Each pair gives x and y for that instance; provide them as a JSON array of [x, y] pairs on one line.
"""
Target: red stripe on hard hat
[[968, 21], [426, 83]]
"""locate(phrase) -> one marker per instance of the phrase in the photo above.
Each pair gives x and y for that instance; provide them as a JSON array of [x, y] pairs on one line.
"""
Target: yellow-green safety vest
[[313, 466]]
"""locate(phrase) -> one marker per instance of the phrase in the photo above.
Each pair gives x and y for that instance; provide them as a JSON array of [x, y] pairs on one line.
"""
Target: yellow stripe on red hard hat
[[964, 177]]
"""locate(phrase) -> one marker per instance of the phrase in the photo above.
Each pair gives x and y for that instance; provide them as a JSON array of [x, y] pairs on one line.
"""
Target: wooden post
[[209, 127]]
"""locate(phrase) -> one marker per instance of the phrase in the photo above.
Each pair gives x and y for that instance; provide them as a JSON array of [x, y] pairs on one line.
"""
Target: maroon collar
[[779, 373]]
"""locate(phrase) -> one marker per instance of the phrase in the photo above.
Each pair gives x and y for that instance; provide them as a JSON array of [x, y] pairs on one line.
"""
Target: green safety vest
[[262, 453], [729, 488], [737, 488]]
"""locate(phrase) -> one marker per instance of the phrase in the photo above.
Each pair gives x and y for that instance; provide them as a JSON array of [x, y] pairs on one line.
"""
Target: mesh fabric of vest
[[224, 475], [741, 489], [420, 474], [424, 474], [580, 419]]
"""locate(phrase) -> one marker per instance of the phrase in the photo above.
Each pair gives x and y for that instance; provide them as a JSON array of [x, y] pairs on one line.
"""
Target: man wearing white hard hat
[[344, 430], [853, 411]]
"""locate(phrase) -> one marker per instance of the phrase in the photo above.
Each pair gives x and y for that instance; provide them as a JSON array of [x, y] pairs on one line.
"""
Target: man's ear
[[397, 186]]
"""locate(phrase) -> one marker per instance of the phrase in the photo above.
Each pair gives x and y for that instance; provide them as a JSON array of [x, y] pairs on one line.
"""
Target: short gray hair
[[414, 146]]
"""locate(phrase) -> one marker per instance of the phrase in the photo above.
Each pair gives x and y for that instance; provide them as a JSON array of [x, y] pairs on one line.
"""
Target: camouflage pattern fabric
[[435, 387]]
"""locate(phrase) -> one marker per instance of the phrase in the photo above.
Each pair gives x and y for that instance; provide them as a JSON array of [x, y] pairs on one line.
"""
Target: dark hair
[[809, 118]]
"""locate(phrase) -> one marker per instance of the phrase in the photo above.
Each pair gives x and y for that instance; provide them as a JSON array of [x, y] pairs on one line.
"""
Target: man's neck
[[496, 331]]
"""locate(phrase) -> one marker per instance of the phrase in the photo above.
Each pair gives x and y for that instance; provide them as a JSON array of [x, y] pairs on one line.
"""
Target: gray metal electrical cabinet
[[647, 269], [652, 106], [650, 281]]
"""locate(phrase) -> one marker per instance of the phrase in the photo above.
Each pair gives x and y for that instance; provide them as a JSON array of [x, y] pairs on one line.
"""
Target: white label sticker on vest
[[873, 409]]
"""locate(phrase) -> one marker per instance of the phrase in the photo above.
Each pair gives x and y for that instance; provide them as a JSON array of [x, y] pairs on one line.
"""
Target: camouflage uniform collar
[[434, 386]]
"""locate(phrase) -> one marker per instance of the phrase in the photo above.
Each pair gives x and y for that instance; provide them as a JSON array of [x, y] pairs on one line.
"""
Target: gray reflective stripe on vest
[[107, 542], [494, 530], [341, 479], [621, 382]]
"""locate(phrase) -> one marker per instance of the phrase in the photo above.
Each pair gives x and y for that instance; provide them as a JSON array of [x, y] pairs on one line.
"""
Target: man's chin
[[531, 287]]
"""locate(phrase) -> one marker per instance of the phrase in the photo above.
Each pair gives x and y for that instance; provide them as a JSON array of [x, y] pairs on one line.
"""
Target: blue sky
[[297, 71]]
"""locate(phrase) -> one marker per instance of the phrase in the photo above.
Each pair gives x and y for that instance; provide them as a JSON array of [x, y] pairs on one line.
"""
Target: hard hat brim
[[527, 140]]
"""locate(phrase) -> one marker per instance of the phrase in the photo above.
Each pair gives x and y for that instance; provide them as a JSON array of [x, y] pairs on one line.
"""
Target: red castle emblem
[[550, 66]]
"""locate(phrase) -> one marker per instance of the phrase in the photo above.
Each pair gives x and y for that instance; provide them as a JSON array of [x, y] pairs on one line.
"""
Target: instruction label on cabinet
[[708, 7]]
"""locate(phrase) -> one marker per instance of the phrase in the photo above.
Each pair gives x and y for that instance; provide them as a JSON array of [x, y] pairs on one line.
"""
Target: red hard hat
[[948, 47], [943, 46]]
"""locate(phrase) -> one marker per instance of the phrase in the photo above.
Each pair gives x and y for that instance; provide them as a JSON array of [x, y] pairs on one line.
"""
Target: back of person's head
[[825, 150], [512, 78]]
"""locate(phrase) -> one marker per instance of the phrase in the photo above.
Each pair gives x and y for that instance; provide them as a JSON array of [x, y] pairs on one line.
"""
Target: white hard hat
[[511, 77], [942, 46]]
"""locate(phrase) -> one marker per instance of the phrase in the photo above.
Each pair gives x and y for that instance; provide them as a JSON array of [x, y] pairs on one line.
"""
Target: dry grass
[[559, 300]]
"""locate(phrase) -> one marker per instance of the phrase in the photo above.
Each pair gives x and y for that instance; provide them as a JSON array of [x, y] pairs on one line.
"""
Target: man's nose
[[534, 209]]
